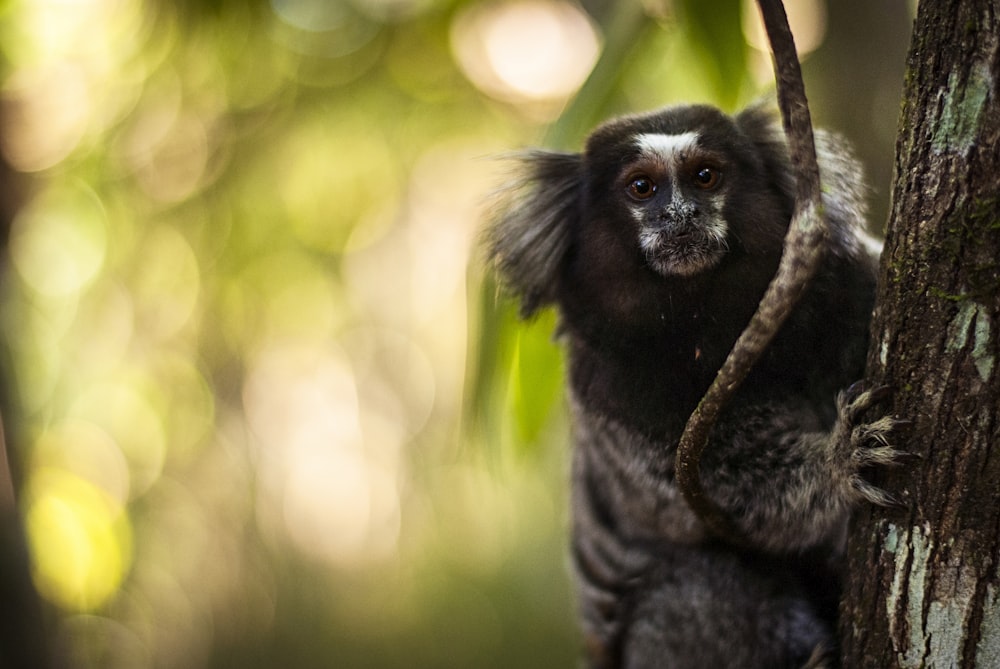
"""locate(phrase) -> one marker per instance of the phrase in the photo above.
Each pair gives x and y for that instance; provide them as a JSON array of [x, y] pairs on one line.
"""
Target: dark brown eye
[[642, 188], [707, 178]]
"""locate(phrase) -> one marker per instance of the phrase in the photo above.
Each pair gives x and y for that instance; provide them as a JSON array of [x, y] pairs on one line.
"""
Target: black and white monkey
[[656, 244]]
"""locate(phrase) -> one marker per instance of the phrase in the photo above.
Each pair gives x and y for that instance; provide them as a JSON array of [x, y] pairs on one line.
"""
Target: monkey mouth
[[681, 253]]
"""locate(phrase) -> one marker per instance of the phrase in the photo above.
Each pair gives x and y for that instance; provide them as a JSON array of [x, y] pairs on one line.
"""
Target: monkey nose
[[680, 219]]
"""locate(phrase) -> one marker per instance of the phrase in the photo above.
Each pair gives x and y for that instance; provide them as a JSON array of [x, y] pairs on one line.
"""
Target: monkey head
[[658, 207], [695, 184]]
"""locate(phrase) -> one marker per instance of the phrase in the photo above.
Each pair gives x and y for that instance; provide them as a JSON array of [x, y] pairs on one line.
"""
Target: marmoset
[[656, 244]]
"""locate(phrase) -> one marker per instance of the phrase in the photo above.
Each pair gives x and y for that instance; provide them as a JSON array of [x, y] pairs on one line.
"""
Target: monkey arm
[[786, 482]]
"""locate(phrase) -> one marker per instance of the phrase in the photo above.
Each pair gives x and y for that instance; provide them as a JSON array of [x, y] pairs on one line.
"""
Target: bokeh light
[[82, 538], [526, 50], [334, 498], [266, 409], [58, 243]]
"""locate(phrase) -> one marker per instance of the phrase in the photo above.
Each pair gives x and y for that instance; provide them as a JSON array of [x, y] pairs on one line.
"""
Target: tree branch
[[805, 243]]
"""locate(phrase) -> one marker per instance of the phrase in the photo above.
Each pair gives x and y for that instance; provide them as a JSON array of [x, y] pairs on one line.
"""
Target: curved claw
[[872, 493], [867, 444], [857, 398], [881, 455]]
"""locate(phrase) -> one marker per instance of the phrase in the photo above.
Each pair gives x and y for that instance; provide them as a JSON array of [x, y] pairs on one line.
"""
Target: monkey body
[[656, 244]]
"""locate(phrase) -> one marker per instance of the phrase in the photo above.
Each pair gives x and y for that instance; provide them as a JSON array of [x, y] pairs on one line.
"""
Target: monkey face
[[674, 173], [673, 189], [658, 206]]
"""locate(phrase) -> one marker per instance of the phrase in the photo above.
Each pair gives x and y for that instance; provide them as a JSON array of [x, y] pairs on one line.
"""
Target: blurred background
[[263, 404]]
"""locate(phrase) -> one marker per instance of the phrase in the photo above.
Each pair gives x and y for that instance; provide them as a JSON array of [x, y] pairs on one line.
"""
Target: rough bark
[[923, 588]]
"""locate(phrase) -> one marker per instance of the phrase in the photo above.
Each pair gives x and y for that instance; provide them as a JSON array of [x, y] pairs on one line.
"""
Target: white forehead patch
[[670, 149]]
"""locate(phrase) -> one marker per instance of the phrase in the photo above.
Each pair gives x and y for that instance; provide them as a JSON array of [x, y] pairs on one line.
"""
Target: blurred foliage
[[266, 408]]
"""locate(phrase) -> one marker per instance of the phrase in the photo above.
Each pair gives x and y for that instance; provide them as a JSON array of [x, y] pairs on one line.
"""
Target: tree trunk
[[923, 587]]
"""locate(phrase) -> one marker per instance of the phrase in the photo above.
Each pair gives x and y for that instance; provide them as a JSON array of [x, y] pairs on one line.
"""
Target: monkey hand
[[860, 444]]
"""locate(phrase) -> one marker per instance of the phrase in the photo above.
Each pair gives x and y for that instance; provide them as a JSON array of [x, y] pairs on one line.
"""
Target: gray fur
[[528, 238]]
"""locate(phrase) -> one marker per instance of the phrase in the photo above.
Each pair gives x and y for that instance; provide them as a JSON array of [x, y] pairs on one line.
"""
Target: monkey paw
[[865, 444]]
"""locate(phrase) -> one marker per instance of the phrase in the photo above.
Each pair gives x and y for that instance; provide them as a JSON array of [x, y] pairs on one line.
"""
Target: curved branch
[[805, 243]]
